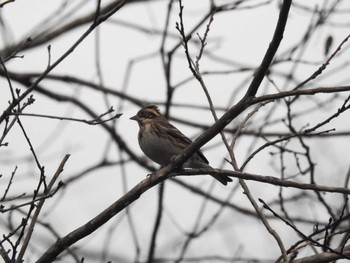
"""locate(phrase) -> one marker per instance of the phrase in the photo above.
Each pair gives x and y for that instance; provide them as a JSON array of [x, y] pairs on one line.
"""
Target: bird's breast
[[157, 147]]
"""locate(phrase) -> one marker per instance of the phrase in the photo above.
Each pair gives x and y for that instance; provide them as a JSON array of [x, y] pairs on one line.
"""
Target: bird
[[160, 141]]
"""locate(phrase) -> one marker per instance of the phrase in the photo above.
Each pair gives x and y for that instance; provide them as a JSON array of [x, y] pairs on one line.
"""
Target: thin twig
[[315, 242], [38, 209], [95, 121], [324, 65], [96, 23], [8, 186]]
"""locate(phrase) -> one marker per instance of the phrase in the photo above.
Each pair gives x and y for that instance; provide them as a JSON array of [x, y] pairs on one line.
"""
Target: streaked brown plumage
[[160, 141]]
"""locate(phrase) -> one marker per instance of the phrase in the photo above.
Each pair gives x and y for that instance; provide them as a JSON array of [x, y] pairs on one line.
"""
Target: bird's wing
[[185, 141]]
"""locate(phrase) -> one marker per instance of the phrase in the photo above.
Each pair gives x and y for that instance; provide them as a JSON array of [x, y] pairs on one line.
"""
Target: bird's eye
[[146, 114]]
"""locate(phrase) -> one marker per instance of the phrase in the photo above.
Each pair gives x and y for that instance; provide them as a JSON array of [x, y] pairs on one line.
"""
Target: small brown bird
[[160, 141]]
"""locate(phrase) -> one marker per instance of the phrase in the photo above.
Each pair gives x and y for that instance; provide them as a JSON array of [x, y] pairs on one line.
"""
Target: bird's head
[[146, 115]]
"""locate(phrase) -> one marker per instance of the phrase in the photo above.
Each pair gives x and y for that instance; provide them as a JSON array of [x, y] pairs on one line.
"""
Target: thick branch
[[266, 179], [246, 101], [324, 257], [271, 51], [61, 244]]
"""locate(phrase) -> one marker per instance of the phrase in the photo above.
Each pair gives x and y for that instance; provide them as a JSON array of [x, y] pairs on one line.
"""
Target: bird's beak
[[134, 118]]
